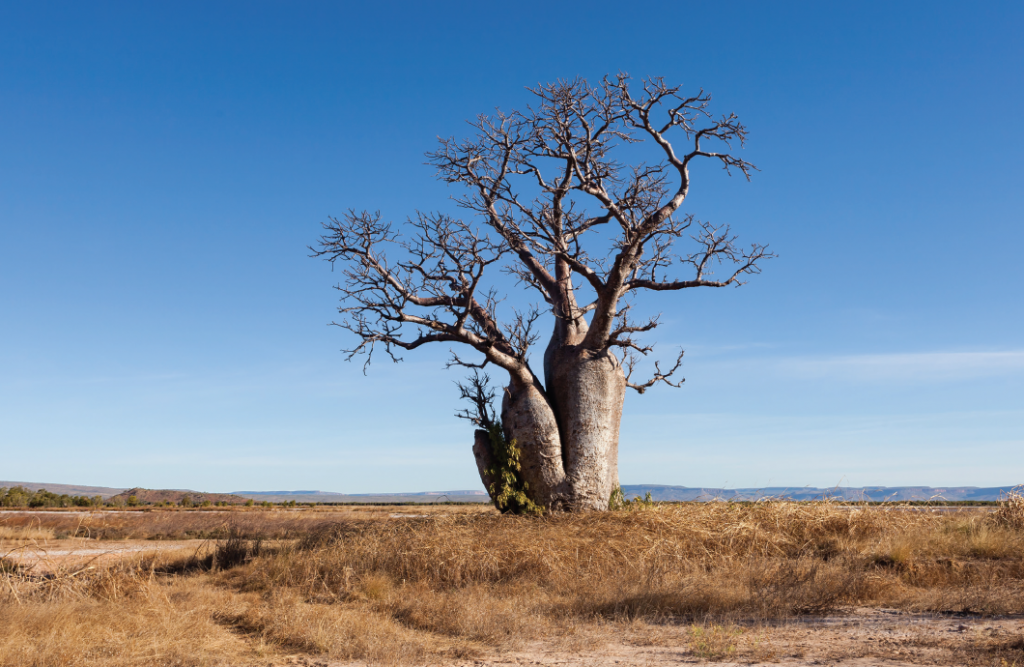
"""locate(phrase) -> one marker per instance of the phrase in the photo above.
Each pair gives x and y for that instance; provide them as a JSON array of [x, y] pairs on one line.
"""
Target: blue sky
[[165, 166]]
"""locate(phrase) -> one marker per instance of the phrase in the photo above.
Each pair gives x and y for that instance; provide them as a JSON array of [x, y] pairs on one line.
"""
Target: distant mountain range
[[868, 493], [657, 491]]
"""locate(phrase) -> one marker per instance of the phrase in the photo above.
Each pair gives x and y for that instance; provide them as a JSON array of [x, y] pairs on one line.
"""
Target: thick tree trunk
[[568, 434], [588, 389], [484, 457], [528, 418]]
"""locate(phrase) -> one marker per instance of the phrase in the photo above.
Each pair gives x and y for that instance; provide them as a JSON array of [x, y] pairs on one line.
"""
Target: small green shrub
[[508, 491], [714, 642], [618, 501]]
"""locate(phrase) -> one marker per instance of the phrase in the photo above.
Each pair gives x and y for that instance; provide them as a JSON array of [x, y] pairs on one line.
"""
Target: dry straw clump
[[397, 590], [1011, 509]]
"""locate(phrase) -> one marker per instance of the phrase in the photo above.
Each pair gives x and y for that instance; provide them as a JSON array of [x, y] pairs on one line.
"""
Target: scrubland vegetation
[[465, 582], [19, 496]]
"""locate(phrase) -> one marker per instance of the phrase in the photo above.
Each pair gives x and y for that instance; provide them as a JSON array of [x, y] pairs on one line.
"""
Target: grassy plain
[[461, 584]]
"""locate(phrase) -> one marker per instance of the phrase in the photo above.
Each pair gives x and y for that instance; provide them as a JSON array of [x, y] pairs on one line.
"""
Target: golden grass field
[[459, 585]]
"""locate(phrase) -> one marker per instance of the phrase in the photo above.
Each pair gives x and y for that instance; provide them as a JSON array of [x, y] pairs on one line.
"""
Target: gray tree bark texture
[[568, 435], [527, 177]]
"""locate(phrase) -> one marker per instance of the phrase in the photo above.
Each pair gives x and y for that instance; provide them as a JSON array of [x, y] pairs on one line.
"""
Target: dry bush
[[25, 533], [1010, 513], [237, 550], [9, 566]]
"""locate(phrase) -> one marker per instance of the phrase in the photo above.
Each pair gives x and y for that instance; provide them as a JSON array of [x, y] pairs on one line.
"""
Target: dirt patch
[[860, 637]]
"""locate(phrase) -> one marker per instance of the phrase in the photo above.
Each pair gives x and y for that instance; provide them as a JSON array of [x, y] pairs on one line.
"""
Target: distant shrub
[[19, 496], [618, 501], [9, 566]]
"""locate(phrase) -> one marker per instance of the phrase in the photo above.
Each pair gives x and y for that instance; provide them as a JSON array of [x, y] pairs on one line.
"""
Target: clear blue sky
[[163, 167]]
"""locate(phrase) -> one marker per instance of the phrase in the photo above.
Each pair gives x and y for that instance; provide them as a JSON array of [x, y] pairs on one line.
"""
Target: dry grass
[[118, 614], [25, 532], [458, 585], [764, 561], [204, 524], [1011, 509]]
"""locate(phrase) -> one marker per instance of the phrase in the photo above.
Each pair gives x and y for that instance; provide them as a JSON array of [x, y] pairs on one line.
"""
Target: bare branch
[[719, 247], [539, 187], [622, 337], [659, 375], [520, 332], [434, 287], [478, 391]]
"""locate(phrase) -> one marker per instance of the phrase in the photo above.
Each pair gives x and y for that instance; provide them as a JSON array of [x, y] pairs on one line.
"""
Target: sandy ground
[[857, 638]]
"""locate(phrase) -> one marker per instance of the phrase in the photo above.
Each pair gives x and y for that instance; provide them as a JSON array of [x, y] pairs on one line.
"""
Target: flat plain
[[655, 584]]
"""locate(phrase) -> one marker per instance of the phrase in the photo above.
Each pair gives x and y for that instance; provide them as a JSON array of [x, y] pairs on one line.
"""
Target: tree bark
[[568, 434], [484, 456], [588, 389], [527, 417]]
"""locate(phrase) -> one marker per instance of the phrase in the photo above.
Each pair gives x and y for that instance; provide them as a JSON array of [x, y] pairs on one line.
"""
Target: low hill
[[149, 496], [66, 489]]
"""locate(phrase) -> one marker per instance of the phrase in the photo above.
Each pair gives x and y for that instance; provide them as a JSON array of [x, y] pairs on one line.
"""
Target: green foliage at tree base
[[508, 491]]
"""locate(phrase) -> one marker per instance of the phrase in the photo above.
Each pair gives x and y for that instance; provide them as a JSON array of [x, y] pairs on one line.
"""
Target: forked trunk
[[567, 434]]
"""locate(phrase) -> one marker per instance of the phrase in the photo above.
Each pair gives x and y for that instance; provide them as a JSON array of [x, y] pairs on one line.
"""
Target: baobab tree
[[526, 180]]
